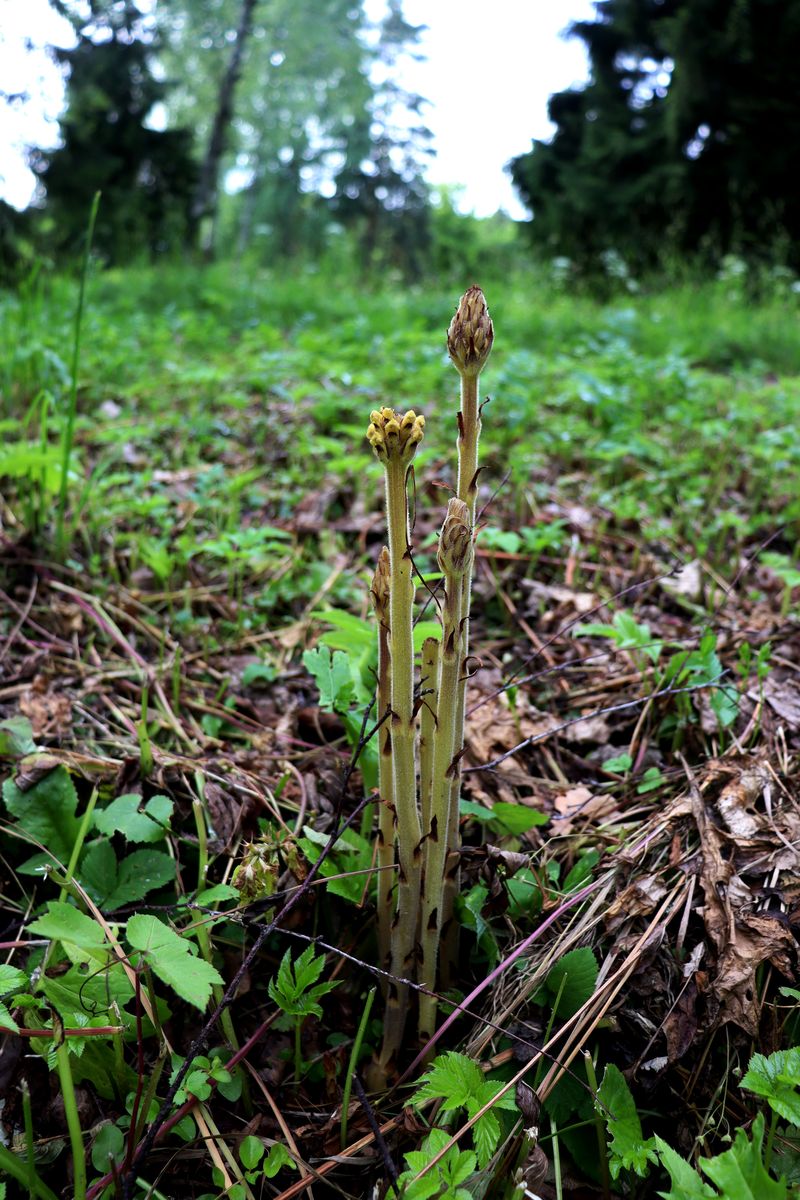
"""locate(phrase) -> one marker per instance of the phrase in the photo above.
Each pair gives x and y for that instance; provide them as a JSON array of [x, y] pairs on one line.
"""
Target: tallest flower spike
[[471, 333], [469, 344]]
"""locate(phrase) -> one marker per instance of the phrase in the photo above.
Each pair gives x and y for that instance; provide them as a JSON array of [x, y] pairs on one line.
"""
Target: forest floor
[[174, 759]]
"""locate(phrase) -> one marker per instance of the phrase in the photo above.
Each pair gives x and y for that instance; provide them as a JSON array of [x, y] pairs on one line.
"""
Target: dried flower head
[[393, 437], [380, 587], [257, 874], [455, 540], [471, 333]]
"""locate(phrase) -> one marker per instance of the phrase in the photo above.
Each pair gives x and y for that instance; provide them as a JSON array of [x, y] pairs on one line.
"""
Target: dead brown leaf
[[743, 940], [783, 697], [578, 804], [737, 798], [638, 899], [48, 711]]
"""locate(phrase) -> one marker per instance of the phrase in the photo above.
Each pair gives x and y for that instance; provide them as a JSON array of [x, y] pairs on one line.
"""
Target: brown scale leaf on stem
[[380, 587], [455, 542]]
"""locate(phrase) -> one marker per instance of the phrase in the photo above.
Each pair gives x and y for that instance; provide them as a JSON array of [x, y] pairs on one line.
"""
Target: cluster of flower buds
[[471, 333], [455, 541], [395, 438], [257, 874]]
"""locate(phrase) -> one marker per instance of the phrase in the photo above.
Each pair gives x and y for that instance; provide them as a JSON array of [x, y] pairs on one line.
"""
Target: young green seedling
[[295, 990]]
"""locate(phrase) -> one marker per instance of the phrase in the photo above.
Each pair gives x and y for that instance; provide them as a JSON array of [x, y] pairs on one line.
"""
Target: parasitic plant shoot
[[422, 738]]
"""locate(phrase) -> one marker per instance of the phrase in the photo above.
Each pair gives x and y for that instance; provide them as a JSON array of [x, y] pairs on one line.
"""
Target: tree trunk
[[207, 191]]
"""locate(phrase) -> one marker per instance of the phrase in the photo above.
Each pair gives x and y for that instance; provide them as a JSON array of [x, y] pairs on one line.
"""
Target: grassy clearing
[[175, 722]]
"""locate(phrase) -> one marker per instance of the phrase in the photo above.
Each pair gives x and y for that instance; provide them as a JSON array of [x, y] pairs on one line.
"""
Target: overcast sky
[[489, 68]]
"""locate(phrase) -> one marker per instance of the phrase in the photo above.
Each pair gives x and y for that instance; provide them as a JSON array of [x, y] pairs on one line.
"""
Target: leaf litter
[[693, 925]]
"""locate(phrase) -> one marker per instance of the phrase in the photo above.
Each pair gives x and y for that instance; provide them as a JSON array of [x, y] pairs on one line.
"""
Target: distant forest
[[224, 127]]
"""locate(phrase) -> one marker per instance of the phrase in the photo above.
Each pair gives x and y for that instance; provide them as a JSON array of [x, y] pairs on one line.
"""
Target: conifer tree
[[685, 138], [146, 175]]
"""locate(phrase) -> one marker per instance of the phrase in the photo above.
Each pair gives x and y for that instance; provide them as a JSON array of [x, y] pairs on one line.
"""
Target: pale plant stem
[[409, 833], [429, 681], [441, 791], [386, 818], [469, 431], [73, 1121]]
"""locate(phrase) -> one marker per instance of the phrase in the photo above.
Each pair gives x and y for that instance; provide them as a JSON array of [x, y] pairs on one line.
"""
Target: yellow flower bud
[[394, 437]]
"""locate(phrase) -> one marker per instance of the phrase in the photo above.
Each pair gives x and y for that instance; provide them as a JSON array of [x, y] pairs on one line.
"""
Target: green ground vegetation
[[186, 676]]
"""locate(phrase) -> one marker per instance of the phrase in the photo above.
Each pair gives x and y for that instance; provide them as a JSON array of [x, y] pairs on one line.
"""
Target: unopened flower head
[[393, 437], [455, 540], [471, 333], [380, 587]]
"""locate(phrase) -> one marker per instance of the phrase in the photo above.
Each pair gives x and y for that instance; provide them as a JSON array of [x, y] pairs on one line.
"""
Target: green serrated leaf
[[11, 979], [777, 1079], [628, 1149], [81, 937], [294, 989], [112, 883], [486, 1136], [351, 852], [123, 815], [454, 1078], [170, 958], [333, 677], [6, 1019], [46, 813]]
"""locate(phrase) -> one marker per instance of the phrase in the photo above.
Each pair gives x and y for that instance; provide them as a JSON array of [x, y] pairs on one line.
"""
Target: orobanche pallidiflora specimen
[[422, 731]]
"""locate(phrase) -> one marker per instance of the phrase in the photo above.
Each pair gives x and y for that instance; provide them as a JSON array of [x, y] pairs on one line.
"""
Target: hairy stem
[[429, 689], [469, 344], [386, 811], [441, 789], [469, 430], [409, 833]]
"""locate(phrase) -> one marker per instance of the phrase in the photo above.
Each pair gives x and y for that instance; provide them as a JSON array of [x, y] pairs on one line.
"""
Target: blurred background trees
[[146, 174], [684, 139], [284, 128], [238, 125]]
